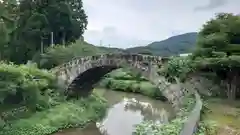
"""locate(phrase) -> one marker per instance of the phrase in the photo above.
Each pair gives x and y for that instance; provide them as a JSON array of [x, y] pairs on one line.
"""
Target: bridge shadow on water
[[83, 85]]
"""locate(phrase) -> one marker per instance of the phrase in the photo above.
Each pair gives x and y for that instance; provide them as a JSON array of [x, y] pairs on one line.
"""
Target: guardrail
[[190, 126]]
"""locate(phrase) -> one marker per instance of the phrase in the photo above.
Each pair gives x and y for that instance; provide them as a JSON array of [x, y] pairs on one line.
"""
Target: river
[[125, 111]]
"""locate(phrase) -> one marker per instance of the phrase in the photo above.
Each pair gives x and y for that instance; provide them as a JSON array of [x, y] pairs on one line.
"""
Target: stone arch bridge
[[82, 72]]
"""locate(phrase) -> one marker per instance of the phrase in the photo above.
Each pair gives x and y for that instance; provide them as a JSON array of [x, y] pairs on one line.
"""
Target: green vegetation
[[225, 113], [59, 54], [177, 67], [28, 26], [30, 101], [32, 104], [65, 115], [26, 85], [123, 80], [216, 58], [175, 45]]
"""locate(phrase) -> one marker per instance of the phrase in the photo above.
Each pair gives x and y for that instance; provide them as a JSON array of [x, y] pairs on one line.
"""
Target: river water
[[126, 110]]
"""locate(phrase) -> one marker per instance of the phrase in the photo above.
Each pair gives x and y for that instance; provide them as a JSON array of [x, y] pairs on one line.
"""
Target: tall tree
[[220, 34], [38, 18], [218, 37], [4, 38], [8, 17]]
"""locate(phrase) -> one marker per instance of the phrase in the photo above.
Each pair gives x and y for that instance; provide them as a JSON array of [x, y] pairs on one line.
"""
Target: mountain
[[175, 45]]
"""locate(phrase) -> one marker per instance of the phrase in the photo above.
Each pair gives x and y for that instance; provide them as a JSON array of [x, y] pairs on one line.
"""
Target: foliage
[[215, 41], [125, 74], [66, 115], [58, 54], [219, 34], [177, 67], [207, 128], [26, 85], [223, 63], [122, 80], [4, 39], [225, 70], [30, 24], [172, 128], [218, 43], [8, 13], [172, 46]]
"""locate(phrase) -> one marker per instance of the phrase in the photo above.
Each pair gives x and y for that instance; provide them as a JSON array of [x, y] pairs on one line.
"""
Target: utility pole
[[52, 39], [100, 43], [41, 45]]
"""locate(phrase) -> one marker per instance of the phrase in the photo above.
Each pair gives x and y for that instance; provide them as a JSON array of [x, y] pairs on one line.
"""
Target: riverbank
[[124, 112], [69, 114], [126, 81]]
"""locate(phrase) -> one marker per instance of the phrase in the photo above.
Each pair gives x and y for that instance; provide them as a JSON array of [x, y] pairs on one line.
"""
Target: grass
[[66, 115], [225, 113], [121, 80], [220, 117]]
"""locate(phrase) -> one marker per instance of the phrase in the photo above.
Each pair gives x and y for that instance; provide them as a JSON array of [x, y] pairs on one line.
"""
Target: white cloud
[[128, 23]]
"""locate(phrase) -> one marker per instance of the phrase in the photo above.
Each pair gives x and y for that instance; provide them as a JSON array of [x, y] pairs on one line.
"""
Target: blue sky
[[130, 23]]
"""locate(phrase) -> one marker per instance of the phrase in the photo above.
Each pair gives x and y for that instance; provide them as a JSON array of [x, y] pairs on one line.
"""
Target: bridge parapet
[[128, 57]]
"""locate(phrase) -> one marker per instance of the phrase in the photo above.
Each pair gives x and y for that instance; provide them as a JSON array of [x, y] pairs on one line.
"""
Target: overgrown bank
[[33, 104], [210, 84], [126, 81]]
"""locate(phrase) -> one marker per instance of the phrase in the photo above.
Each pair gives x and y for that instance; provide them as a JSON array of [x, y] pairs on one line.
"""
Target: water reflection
[[147, 110], [125, 112]]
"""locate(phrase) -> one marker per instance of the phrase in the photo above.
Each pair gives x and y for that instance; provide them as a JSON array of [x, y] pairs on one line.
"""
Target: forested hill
[[172, 46]]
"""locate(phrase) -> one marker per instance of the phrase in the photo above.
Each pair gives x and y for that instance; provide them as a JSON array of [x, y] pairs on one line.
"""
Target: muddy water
[[126, 110]]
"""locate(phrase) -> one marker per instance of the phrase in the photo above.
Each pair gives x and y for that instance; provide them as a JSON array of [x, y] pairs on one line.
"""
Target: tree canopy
[[31, 22], [220, 34], [219, 46]]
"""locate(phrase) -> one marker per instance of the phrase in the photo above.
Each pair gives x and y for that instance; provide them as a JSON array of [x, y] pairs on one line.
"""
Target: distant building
[[185, 54]]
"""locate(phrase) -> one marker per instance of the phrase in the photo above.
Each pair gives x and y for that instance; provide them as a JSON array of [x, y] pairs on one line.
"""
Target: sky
[[131, 23]]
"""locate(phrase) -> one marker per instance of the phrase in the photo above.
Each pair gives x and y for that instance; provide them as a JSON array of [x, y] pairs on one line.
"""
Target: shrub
[[177, 67], [26, 85], [66, 115]]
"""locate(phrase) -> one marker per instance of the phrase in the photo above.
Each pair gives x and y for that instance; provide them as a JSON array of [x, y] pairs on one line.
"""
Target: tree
[[66, 19], [8, 15], [4, 38], [215, 41], [38, 18], [218, 40], [220, 34]]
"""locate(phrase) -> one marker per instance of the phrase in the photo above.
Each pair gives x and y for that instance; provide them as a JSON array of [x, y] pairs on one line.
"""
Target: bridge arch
[[69, 74]]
